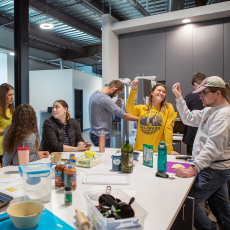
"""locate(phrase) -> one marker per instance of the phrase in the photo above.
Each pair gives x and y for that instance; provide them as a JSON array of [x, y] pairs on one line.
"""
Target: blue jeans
[[211, 185], [95, 140]]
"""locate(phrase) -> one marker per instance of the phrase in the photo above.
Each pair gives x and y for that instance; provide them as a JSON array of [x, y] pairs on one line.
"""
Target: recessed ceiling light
[[186, 20], [47, 26], [12, 53]]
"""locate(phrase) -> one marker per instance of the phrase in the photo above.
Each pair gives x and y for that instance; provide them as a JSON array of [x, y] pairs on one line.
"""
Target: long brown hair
[[4, 88], [164, 105], [24, 122], [65, 105]]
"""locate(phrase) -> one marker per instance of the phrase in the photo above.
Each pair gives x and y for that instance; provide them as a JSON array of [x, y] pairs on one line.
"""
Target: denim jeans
[[211, 185], [95, 140]]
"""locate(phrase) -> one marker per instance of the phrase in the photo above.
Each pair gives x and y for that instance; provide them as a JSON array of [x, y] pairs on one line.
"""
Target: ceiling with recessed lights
[[76, 32]]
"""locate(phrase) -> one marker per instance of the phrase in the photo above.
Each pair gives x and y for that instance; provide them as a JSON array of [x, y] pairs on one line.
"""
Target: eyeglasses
[[203, 94]]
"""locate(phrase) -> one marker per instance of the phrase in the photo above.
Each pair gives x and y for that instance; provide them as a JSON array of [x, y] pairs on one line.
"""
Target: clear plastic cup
[[101, 143], [23, 155]]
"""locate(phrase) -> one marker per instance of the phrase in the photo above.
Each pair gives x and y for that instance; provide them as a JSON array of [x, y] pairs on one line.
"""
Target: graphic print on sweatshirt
[[152, 124]]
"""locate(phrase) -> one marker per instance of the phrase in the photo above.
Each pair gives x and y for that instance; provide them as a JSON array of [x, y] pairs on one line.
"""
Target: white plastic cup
[[23, 155]]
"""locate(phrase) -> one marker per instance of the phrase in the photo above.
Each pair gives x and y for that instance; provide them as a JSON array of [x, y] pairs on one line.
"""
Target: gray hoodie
[[212, 142]]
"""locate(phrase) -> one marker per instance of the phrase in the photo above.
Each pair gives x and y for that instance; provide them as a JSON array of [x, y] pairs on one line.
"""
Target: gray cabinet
[[153, 53], [208, 48], [130, 55], [177, 146], [142, 53], [184, 219], [178, 60]]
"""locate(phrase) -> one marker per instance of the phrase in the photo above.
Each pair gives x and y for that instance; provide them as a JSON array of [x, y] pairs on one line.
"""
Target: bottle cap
[[68, 188], [60, 163], [70, 165]]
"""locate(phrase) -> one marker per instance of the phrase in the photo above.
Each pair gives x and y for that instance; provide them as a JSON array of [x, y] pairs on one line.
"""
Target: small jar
[[68, 195]]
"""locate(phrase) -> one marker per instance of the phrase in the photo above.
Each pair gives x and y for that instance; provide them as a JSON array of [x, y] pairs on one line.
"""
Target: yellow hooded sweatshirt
[[154, 127]]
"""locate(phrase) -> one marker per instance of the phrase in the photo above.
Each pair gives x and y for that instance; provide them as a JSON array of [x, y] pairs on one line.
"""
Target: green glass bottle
[[127, 158]]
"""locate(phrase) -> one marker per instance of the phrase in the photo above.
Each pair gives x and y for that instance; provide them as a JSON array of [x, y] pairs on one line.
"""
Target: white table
[[161, 198]]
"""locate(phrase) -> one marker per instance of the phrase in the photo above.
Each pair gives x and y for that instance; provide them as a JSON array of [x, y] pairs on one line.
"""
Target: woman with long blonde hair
[[22, 132], [156, 119], [6, 110], [62, 133]]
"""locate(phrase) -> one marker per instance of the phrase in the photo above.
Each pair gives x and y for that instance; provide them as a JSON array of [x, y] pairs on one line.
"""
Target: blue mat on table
[[48, 221]]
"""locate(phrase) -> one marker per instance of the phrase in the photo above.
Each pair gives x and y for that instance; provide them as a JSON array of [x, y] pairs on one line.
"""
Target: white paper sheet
[[6, 178], [12, 189], [106, 179]]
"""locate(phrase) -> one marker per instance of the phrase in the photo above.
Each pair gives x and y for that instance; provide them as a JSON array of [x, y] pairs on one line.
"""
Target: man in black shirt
[[194, 103]]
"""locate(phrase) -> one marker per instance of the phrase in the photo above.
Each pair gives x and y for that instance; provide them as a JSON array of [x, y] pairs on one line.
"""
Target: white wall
[[47, 86], [88, 83], [10, 69], [3, 68]]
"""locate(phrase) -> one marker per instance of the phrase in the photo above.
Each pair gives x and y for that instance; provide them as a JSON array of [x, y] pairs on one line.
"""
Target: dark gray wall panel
[[227, 50], [153, 53], [130, 55], [178, 60], [208, 48]]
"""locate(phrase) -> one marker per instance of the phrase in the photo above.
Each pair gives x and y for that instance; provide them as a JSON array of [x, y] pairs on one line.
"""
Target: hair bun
[[68, 116]]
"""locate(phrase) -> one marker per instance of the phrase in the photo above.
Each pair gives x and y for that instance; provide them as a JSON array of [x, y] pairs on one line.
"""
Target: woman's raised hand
[[134, 84], [176, 90]]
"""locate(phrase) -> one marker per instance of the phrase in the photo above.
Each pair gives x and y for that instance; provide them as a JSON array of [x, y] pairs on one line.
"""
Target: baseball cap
[[213, 81]]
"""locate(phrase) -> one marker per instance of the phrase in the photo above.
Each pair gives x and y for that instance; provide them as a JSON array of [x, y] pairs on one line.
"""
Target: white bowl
[[25, 214]]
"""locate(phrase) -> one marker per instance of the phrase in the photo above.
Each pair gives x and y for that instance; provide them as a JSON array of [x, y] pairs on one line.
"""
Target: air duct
[[57, 60]]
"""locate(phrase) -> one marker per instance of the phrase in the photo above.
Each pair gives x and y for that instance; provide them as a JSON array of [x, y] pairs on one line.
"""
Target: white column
[[110, 51]]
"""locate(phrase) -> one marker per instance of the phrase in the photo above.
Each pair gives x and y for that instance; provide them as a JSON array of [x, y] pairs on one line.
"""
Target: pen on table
[[4, 218]]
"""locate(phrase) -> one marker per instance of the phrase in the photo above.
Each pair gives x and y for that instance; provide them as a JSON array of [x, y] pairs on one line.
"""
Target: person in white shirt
[[211, 151]]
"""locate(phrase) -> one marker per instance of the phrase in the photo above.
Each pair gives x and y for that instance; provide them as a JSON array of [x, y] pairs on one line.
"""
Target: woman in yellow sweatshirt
[[156, 119], [6, 110]]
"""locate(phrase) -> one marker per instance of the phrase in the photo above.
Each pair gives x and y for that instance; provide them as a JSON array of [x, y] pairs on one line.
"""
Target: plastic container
[[102, 223], [89, 162], [101, 143], [37, 181], [162, 157]]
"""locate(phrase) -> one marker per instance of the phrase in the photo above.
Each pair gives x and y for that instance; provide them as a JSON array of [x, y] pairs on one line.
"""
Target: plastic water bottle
[[162, 157]]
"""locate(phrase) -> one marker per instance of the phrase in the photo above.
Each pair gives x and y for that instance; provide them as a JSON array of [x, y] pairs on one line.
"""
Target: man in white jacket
[[211, 151]]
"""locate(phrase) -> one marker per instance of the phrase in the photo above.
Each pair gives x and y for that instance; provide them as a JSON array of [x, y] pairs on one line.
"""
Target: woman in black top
[[62, 133]]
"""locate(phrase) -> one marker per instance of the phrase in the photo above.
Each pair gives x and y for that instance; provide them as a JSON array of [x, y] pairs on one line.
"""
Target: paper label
[[70, 179]]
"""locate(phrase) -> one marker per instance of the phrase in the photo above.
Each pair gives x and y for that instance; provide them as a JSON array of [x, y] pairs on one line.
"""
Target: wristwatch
[[194, 166]]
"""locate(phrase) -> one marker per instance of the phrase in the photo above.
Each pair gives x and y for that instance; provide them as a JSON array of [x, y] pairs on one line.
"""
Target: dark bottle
[[127, 158]]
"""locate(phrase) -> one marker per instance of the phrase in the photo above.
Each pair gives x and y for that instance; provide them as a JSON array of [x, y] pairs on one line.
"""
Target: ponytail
[[67, 116]]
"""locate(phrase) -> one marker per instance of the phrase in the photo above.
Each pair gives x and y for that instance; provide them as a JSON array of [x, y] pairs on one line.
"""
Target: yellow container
[[89, 153]]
